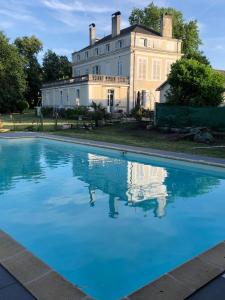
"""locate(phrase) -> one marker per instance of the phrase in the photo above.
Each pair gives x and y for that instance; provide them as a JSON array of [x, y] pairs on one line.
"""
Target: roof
[[162, 85], [133, 28]]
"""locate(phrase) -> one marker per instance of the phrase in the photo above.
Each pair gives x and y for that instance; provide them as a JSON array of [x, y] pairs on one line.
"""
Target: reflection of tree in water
[[55, 156], [189, 184], [19, 160]]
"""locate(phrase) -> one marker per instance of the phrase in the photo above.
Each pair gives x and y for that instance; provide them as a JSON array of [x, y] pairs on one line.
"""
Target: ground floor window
[[110, 98]]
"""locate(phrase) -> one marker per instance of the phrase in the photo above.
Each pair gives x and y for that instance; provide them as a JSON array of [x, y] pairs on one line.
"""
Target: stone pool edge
[[178, 284], [33, 274]]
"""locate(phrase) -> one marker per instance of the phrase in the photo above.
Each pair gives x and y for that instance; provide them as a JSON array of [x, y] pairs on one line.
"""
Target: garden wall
[[185, 116]]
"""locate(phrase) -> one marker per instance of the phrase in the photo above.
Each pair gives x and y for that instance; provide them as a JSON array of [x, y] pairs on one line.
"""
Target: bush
[[139, 112], [47, 112], [75, 113], [22, 106]]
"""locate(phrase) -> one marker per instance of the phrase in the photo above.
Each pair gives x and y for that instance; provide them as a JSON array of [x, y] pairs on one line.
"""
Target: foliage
[[29, 47], [139, 112], [195, 84], [22, 106], [188, 32], [197, 55], [99, 113], [12, 76], [47, 111], [55, 67], [74, 113]]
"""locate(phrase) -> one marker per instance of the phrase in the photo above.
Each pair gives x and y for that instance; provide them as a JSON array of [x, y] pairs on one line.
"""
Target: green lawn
[[128, 134], [131, 135]]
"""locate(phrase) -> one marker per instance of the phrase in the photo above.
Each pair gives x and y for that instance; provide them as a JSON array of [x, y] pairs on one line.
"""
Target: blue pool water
[[110, 223]]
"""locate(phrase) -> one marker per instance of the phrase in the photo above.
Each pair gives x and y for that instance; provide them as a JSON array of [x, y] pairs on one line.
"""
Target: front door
[[110, 100]]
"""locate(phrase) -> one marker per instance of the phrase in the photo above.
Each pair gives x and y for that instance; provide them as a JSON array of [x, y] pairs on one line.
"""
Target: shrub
[[22, 106], [139, 112], [47, 112], [74, 113]]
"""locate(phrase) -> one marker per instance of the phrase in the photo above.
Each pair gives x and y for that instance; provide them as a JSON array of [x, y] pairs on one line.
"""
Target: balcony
[[89, 78]]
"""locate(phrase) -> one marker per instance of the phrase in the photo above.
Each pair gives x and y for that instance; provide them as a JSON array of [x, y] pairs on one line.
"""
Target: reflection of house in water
[[138, 184], [145, 183]]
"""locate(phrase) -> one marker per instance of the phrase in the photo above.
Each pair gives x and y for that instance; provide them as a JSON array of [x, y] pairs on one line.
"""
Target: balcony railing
[[89, 77]]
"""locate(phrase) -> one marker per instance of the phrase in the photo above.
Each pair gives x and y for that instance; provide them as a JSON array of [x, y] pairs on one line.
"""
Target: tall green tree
[[29, 48], [195, 84], [55, 67], [12, 76], [188, 32]]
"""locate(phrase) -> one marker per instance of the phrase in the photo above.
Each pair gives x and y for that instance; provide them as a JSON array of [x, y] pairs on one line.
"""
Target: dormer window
[[86, 54], [107, 48]]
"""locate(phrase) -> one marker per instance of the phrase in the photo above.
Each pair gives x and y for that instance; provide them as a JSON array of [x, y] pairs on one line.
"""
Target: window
[[96, 51], [96, 70], [119, 68], [143, 42], [156, 69], [78, 57], [76, 72], [107, 47], [86, 54], [156, 44], [168, 67], [142, 68], [120, 44], [86, 71], [77, 97]]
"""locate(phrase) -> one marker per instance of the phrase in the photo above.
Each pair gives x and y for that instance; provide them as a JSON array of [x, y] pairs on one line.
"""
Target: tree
[[195, 84], [199, 56], [188, 32], [29, 47], [12, 76], [55, 67]]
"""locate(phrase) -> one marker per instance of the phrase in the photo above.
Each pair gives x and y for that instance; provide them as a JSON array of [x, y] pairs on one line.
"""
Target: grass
[[127, 134]]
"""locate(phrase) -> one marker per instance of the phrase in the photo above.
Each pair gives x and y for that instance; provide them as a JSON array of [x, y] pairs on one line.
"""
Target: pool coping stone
[[46, 284]]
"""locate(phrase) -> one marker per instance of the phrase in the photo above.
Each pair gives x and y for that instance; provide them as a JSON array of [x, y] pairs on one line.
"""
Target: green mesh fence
[[184, 116]]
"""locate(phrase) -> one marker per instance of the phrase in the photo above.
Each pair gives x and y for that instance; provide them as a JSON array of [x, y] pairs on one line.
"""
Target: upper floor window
[[120, 44], [142, 68], [156, 44], [96, 51], [120, 68], [156, 69], [143, 42], [96, 70], [86, 54], [107, 47], [78, 57], [168, 67]]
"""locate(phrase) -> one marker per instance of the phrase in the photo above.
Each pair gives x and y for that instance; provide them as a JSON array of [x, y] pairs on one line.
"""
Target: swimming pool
[[109, 222]]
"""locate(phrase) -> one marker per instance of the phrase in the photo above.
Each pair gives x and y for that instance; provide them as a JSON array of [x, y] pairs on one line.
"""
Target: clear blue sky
[[62, 25]]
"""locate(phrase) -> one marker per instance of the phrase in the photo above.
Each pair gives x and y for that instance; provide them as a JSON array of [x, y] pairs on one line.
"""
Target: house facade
[[118, 70]]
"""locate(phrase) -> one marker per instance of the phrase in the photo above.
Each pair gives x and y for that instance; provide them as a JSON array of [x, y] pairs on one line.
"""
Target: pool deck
[[196, 279]]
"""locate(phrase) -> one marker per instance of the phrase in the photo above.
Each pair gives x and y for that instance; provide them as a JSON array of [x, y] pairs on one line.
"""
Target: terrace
[[89, 78]]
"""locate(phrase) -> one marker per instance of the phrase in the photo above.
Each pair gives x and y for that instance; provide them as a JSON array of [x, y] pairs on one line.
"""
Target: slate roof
[[133, 28]]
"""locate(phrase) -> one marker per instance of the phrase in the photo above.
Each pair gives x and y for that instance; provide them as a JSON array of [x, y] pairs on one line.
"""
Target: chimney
[[116, 23], [92, 34], [166, 25]]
